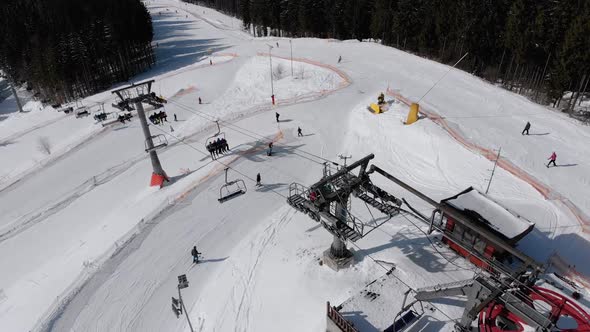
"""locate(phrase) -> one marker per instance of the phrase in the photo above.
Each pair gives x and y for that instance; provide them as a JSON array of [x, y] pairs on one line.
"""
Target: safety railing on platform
[[337, 318]]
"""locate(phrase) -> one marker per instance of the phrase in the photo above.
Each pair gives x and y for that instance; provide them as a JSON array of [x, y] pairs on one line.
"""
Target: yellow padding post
[[413, 114], [376, 109]]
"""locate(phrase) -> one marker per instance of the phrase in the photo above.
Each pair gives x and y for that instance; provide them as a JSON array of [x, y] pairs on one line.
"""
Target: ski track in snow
[[239, 115], [241, 294], [426, 168], [32, 218], [549, 193]]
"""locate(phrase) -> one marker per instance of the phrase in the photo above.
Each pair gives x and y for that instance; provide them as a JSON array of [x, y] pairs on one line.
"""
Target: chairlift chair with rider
[[159, 141], [231, 189], [217, 135]]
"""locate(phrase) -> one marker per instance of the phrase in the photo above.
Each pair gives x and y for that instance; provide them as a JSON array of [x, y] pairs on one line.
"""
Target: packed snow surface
[[86, 245]]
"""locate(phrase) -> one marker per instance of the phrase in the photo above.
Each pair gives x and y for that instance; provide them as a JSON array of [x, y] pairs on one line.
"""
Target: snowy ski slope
[[86, 245]]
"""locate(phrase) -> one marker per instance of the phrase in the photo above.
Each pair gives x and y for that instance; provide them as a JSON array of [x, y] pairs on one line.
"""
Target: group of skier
[[217, 147], [158, 117], [551, 158]]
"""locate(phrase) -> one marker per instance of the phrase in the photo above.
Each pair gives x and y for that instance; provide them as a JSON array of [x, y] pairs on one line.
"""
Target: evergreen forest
[[65, 49], [539, 48]]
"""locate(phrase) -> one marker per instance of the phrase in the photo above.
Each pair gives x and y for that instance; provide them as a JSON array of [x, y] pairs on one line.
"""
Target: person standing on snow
[[269, 149], [339, 58], [195, 254], [200, 102], [526, 128], [175, 118], [258, 184], [552, 159], [277, 115], [299, 133]]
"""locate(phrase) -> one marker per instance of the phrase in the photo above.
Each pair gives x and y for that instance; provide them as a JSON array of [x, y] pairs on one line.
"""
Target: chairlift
[[231, 189], [82, 112], [217, 135], [159, 141]]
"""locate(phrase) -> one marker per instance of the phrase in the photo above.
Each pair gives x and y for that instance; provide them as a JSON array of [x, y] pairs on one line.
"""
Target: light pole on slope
[[291, 44], [178, 304], [272, 89]]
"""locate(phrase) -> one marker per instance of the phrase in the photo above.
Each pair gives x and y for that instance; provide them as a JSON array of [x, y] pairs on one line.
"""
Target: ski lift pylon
[[231, 189], [159, 141], [213, 138]]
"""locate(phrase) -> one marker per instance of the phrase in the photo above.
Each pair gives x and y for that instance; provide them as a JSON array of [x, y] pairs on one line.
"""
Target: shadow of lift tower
[[134, 96]]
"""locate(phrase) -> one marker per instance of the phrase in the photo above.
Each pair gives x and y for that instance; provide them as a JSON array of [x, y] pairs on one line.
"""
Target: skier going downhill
[[339, 58], [526, 128], [299, 133], [277, 115], [195, 254], [258, 184], [552, 159]]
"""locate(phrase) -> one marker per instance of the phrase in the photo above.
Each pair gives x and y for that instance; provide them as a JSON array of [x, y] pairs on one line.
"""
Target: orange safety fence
[[565, 269], [550, 194]]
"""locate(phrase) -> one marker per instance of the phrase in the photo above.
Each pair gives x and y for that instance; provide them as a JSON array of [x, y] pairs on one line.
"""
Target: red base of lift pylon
[[158, 180]]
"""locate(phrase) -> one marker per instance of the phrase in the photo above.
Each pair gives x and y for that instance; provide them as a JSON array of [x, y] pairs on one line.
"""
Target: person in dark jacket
[[195, 254], [277, 115], [258, 184], [526, 128], [299, 133]]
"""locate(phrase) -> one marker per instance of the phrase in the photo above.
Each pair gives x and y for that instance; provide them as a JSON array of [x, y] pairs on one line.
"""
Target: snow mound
[[32, 106], [250, 91]]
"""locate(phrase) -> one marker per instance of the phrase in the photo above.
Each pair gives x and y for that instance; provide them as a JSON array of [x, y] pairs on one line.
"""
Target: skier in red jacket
[[552, 159]]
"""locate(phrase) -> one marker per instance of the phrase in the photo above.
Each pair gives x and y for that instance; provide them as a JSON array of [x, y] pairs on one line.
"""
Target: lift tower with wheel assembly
[[137, 94], [330, 202]]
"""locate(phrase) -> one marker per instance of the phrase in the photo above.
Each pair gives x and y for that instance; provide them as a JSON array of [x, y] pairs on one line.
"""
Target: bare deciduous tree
[[43, 145]]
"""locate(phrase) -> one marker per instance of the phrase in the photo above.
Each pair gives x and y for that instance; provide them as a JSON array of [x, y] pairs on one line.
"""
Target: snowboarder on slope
[[258, 184], [195, 254], [277, 115], [552, 159], [299, 133], [526, 128]]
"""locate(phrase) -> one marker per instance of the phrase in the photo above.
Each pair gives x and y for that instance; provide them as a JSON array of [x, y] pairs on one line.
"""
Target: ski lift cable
[[404, 283], [285, 197], [492, 263], [498, 266], [241, 130], [434, 246], [216, 160]]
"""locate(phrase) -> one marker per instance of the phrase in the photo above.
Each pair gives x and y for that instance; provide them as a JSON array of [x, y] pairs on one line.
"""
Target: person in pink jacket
[[552, 159]]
